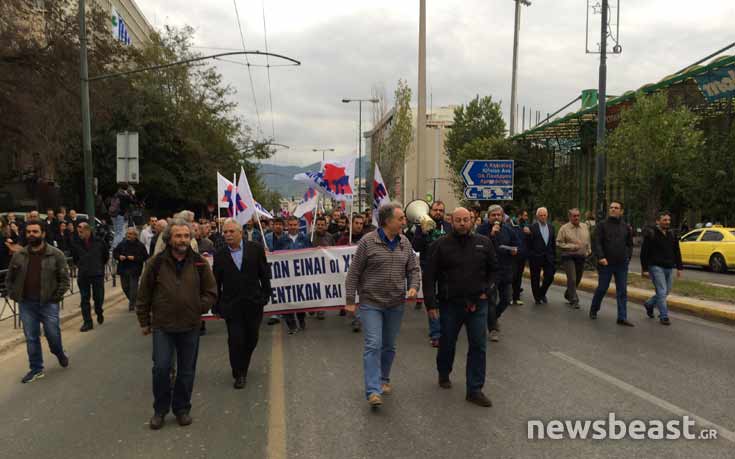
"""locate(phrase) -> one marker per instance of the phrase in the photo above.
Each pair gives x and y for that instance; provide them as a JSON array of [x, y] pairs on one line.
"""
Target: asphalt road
[[304, 394], [695, 273]]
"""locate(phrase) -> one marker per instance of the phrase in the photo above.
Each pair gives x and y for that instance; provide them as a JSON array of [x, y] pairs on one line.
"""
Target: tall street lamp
[[323, 150], [359, 146], [513, 85]]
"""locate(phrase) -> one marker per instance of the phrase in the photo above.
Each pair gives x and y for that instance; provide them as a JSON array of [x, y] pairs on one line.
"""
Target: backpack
[[114, 209]]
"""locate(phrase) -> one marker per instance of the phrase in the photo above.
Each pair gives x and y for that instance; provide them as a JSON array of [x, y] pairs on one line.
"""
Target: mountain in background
[[280, 178]]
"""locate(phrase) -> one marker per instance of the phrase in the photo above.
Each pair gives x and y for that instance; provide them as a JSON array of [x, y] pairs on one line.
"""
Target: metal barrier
[[12, 306]]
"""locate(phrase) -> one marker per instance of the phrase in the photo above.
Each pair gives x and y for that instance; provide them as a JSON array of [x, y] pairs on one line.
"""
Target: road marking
[[277, 399], [661, 403]]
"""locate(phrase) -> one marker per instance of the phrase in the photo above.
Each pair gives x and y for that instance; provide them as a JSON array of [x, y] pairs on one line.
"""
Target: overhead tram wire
[[250, 73], [268, 71]]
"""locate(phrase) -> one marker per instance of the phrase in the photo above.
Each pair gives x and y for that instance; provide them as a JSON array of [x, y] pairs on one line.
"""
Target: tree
[[392, 152], [478, 132], [652, 153]]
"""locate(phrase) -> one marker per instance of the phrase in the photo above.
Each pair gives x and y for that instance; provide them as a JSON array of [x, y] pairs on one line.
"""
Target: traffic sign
[[489, 193]]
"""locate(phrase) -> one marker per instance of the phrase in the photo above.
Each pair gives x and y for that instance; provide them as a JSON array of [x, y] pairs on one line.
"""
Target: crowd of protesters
[[173, 270]]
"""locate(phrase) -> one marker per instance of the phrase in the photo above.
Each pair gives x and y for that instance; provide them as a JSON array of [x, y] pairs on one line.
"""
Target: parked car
[[712, 248]]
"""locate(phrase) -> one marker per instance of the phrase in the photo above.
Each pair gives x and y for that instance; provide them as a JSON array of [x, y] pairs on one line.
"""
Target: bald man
[[461, 268]]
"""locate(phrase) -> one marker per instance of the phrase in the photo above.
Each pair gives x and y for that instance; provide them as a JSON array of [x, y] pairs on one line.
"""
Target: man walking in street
[[522, 230], [296, 240], [423, 238], [244, 287], [506, 244], [660, 254], [541, 244], [613, 248], [147, 233], [37, 279], [90, 256], [322, 238], [461, 268], [379, 272], [177, 287], [130, 255], [574, 242]]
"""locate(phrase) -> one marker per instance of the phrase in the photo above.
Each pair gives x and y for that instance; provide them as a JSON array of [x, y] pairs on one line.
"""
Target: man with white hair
[[541, 255]]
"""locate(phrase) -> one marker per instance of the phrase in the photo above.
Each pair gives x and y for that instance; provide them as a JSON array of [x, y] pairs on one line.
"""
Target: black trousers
[[538, 286], [242, 339], [519, 265], [94, 287], [291, 320]]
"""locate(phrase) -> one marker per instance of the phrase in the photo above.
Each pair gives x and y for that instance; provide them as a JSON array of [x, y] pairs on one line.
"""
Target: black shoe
[[63, 360], [342, 313], [478, 398], [240, 382], [665, 321], [445, 383], [202, 331], [625, 323], [273, 321], [593, 315], [32, 376], [537, 302], [649, 310], [544, 300], [292, 331], [157, 421], [356, 326], [86, 326], [100, 318], [183, 419]]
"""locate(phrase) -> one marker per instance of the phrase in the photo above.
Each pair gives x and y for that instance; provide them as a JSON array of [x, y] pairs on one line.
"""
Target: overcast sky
[[347, 47]]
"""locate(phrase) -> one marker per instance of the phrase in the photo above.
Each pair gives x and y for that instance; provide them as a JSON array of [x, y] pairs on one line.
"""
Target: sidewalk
[[721, 312], [11, 337]]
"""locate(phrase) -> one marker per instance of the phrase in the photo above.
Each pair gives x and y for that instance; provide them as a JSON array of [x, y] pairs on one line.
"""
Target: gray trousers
[[574, 267]]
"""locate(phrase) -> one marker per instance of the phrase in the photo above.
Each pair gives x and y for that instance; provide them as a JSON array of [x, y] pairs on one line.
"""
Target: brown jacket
[[54, 275], [173, 300]]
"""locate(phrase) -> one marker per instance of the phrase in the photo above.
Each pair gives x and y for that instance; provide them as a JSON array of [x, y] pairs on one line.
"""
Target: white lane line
[[661, 403]]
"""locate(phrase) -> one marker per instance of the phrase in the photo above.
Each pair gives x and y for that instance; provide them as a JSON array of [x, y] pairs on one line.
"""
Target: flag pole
[[314, 215], [352, 204], [262, 233]]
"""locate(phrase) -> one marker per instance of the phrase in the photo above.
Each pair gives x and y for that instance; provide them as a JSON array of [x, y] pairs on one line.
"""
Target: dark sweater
[[660, 249], [613, 240]]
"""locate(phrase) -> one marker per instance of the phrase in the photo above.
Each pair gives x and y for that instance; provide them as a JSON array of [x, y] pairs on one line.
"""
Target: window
[[712, 236], [691, 237]]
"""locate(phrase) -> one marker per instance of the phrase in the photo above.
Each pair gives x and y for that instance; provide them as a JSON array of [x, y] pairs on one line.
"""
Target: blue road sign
[[488, 179], [489, 193]]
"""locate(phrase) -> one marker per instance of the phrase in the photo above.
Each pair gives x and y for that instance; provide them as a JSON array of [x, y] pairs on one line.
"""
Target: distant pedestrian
[[660, 254], [613, 247], [295, 240], [176, 288], [130, 255], [382, 267], [147, 233], [461, 268], [522, 228], [348, 237], [244, 288], [277, 239], [574, 242], [322, 239], [37, 279], [90, 257], [541, 244]]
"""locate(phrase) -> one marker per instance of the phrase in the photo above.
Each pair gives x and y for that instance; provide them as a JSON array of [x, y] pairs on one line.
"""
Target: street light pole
[[322, 150], [86, 123], [359, 146], [513, 84], [601, 114]]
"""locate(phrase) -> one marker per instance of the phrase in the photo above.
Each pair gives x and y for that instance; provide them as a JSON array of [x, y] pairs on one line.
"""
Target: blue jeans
[[498, 302], [186, 346], [380, 328], [452, 316], [32, 315], [605, 275], [435, 329], [663, 280]]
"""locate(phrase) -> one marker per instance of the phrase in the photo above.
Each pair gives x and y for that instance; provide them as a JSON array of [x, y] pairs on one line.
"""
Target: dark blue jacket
[[502, 242], [537, 248]]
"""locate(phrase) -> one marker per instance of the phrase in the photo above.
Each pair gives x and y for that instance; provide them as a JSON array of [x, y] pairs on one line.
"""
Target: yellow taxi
[[713, 248]]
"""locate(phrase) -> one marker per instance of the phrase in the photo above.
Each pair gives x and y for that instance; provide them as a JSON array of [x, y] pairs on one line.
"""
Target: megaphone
[[415, 210]]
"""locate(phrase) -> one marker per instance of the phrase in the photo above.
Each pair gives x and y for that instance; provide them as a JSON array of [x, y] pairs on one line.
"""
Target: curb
[[700, 308], [10, 343]]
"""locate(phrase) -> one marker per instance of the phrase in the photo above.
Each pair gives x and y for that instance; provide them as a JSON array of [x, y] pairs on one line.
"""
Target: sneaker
[[63, 360], [375, 400], [293, 331], [32, 376], [518, 302], [356, 326], [479, 399], [273, 321], [665, 321], [544, 300], [649, 310], [386, 388], [494, 335]]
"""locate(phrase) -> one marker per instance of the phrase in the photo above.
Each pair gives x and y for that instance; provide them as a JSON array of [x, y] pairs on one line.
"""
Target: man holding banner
[[244, 287], [382, 266]]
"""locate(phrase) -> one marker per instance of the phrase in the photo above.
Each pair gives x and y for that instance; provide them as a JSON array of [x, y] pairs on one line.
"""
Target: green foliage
[[663, 143], [392, 152]]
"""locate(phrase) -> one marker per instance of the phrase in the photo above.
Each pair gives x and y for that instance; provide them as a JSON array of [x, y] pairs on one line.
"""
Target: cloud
[[348, 47]]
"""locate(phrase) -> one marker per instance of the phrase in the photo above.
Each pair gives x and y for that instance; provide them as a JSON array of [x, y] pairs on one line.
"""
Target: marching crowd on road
[[174, 270]]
